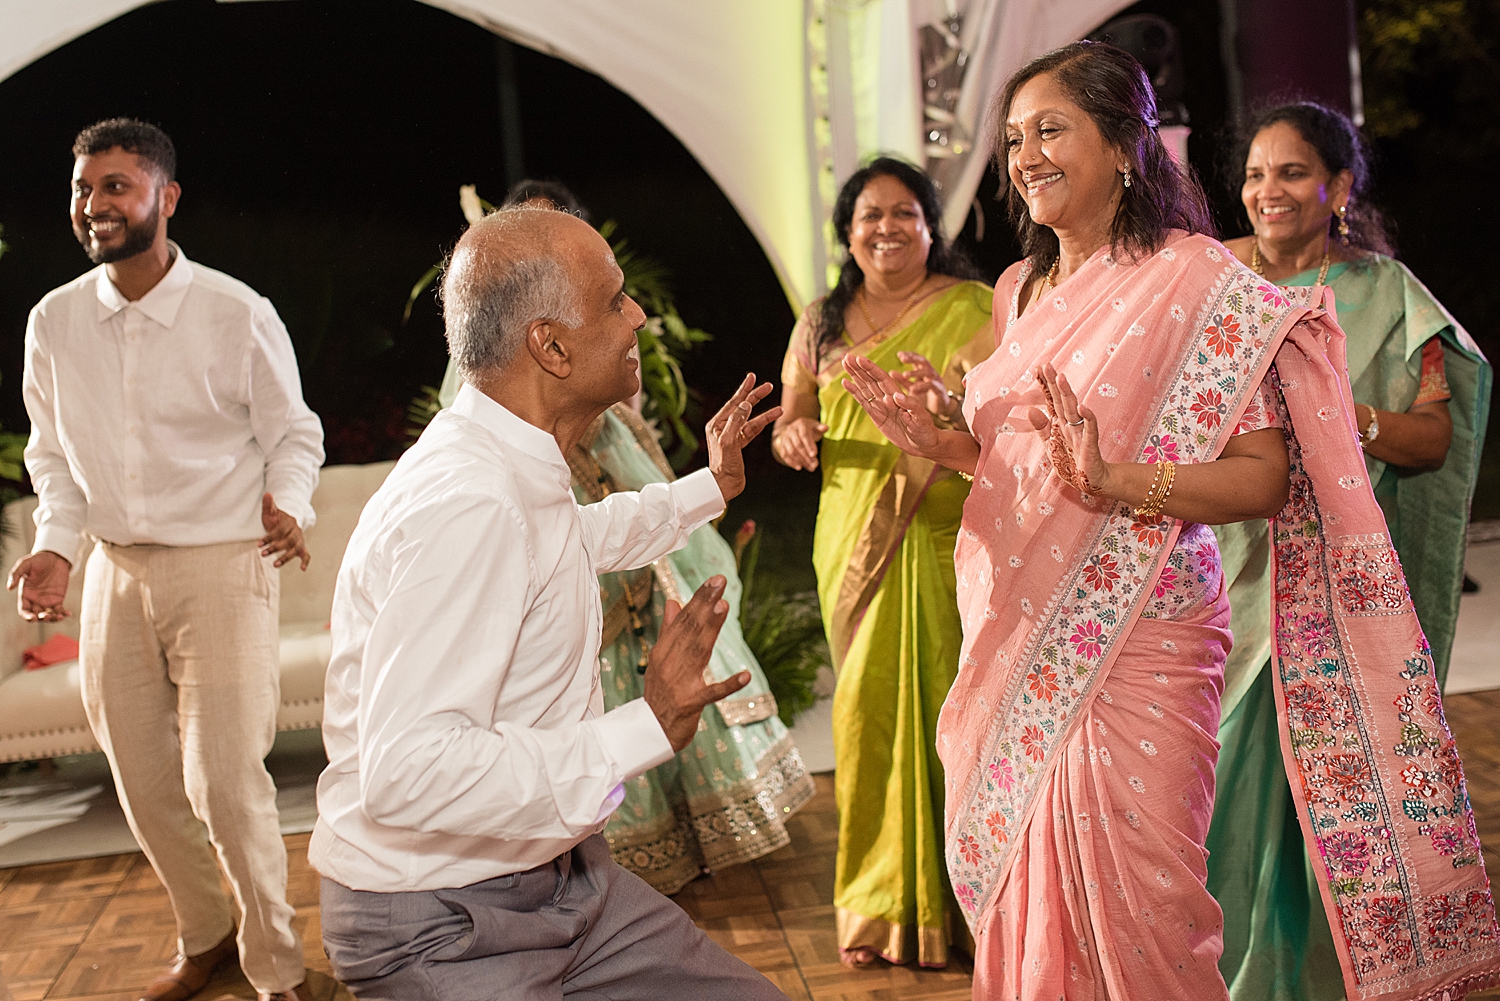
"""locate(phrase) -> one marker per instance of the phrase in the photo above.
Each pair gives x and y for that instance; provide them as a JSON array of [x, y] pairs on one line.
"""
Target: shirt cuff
[[633, 738], [699, 496], [56, 539]]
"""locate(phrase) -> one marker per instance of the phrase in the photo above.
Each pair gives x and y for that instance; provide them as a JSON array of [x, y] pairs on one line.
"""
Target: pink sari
[[1078, 738]]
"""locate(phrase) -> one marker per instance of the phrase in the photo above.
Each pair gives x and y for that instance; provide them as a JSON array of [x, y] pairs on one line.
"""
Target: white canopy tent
[[779, 100]]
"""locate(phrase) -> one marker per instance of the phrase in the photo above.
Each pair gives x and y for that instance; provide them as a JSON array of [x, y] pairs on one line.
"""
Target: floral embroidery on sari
[[1125, 567], [1380, 789]]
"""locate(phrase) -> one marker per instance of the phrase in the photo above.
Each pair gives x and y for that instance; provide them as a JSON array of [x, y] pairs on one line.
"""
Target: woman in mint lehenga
[[1422, 389]]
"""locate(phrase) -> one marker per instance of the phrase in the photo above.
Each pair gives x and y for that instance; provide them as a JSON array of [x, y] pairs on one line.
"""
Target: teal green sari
[[1277, 943]]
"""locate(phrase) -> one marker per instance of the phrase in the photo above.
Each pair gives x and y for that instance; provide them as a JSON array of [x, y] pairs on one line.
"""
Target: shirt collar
[[160, 304], [512, 430]]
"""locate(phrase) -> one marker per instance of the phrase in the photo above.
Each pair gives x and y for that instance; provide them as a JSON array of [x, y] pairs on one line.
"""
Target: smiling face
[[1058, 160], [120, 205], [1289, 193], [888, 234], [605, 366]]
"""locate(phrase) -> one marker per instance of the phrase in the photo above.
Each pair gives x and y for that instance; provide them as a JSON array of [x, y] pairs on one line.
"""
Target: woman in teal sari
[[883, 551], [1422, 389]]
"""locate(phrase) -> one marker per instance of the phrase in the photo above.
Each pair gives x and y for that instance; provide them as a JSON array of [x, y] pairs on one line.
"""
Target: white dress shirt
[[462, 712], [164, 420]]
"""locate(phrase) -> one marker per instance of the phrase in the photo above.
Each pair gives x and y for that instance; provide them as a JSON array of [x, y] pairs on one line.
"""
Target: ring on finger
[[1077, 423]]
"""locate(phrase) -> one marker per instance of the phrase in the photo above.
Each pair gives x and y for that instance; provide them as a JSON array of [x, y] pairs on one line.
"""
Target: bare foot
[[859, 958]]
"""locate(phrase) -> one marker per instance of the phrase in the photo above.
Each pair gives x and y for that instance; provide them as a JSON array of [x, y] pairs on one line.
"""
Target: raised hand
[[43, 579], [283, 535], [796, 444], [922, 381], [1074, 431], [731, 429], [898, 415], [674, 686]]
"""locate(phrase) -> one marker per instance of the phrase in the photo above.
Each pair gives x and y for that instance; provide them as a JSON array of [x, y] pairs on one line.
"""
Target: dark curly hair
[[942, 259], [1340, 146], [133, 136], [1112, 89]]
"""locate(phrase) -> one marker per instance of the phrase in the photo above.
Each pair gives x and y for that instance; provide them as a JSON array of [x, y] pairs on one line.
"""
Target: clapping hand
[[922, 381], [1074, 432], [674, 685], [731, 429], [895, 412]]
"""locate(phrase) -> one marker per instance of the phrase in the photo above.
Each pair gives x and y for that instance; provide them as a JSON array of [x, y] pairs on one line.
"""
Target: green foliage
[[1423, 54], [3, 245], [785, 632], [420, 412]]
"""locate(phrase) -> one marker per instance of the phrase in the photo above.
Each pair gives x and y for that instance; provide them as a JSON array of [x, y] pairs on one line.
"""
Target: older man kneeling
[[471, 765]]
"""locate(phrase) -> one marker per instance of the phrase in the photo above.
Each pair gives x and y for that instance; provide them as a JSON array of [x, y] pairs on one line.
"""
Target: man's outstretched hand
[[283, 534], [675, 690], [731, 429]]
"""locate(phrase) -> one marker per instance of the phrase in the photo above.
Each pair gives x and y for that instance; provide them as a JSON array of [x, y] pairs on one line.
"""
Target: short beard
[[138, 239]]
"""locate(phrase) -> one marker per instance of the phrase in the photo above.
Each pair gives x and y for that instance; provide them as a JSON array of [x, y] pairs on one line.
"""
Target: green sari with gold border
[[883, 551], [1277, 943]]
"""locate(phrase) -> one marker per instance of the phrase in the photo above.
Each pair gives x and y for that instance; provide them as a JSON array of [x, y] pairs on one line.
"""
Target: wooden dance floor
[[101, 928]]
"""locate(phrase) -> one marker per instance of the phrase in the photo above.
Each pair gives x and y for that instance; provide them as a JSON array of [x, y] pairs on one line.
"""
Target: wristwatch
[[1372, 431]]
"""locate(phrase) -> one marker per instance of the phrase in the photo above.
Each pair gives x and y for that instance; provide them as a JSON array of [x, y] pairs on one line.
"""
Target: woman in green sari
[[1422, 391], [883, 550]]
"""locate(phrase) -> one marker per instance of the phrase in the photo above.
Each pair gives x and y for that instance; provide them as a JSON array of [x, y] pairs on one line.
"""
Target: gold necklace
[[1050, 278], [1258, 266], [864, 309]]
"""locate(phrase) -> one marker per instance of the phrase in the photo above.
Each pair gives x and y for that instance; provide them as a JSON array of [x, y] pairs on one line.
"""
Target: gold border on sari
[[719, 829], [877, 545], [896, 943]]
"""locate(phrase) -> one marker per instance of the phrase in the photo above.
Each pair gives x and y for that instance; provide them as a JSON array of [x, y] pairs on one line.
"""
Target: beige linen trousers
[[181, 682]]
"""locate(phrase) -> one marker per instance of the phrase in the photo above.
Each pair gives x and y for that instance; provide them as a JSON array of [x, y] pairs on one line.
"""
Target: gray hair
[[501, 278]]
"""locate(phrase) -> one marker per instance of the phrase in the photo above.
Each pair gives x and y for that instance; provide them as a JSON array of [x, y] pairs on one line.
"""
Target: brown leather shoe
[[190, 974]]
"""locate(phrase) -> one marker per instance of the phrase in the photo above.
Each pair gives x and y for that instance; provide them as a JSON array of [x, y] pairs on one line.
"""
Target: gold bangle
[[1161, 489]]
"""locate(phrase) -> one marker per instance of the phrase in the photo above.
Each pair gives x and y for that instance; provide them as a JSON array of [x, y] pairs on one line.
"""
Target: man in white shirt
[[471, 764], [167, 422]]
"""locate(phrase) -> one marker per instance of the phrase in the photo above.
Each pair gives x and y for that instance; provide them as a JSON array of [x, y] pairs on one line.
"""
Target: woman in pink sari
[[1078, 739]]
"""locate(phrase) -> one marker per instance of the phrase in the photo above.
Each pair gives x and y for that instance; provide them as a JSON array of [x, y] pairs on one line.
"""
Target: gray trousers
[[578, 927]]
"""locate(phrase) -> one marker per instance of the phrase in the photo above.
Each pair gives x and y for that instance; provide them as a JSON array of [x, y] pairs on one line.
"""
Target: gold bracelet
[[1161, 489]]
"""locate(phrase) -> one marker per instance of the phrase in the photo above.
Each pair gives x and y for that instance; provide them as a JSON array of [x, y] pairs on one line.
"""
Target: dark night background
[[321, 154]]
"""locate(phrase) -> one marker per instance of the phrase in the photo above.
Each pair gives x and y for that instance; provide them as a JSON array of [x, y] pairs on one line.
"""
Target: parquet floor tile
[[100, 929], [94, 877], [48, 922], [30, 972]]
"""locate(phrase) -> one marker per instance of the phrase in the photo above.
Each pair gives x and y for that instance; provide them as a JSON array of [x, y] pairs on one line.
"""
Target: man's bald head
[[511, 268]]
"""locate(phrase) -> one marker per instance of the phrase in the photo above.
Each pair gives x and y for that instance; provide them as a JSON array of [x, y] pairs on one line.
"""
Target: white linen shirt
[[163, 420], [462, 712]]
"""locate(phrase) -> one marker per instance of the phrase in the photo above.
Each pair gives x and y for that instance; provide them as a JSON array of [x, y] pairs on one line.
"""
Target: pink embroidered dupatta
[[1169, 352]]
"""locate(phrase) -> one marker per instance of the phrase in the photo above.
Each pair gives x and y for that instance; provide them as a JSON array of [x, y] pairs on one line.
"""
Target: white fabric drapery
[[779, 100]]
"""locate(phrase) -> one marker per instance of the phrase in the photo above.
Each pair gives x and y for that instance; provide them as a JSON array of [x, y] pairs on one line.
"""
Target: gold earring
[[1343, 211]]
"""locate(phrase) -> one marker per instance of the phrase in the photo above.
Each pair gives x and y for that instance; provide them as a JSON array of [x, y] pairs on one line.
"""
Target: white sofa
[[41, 712]]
